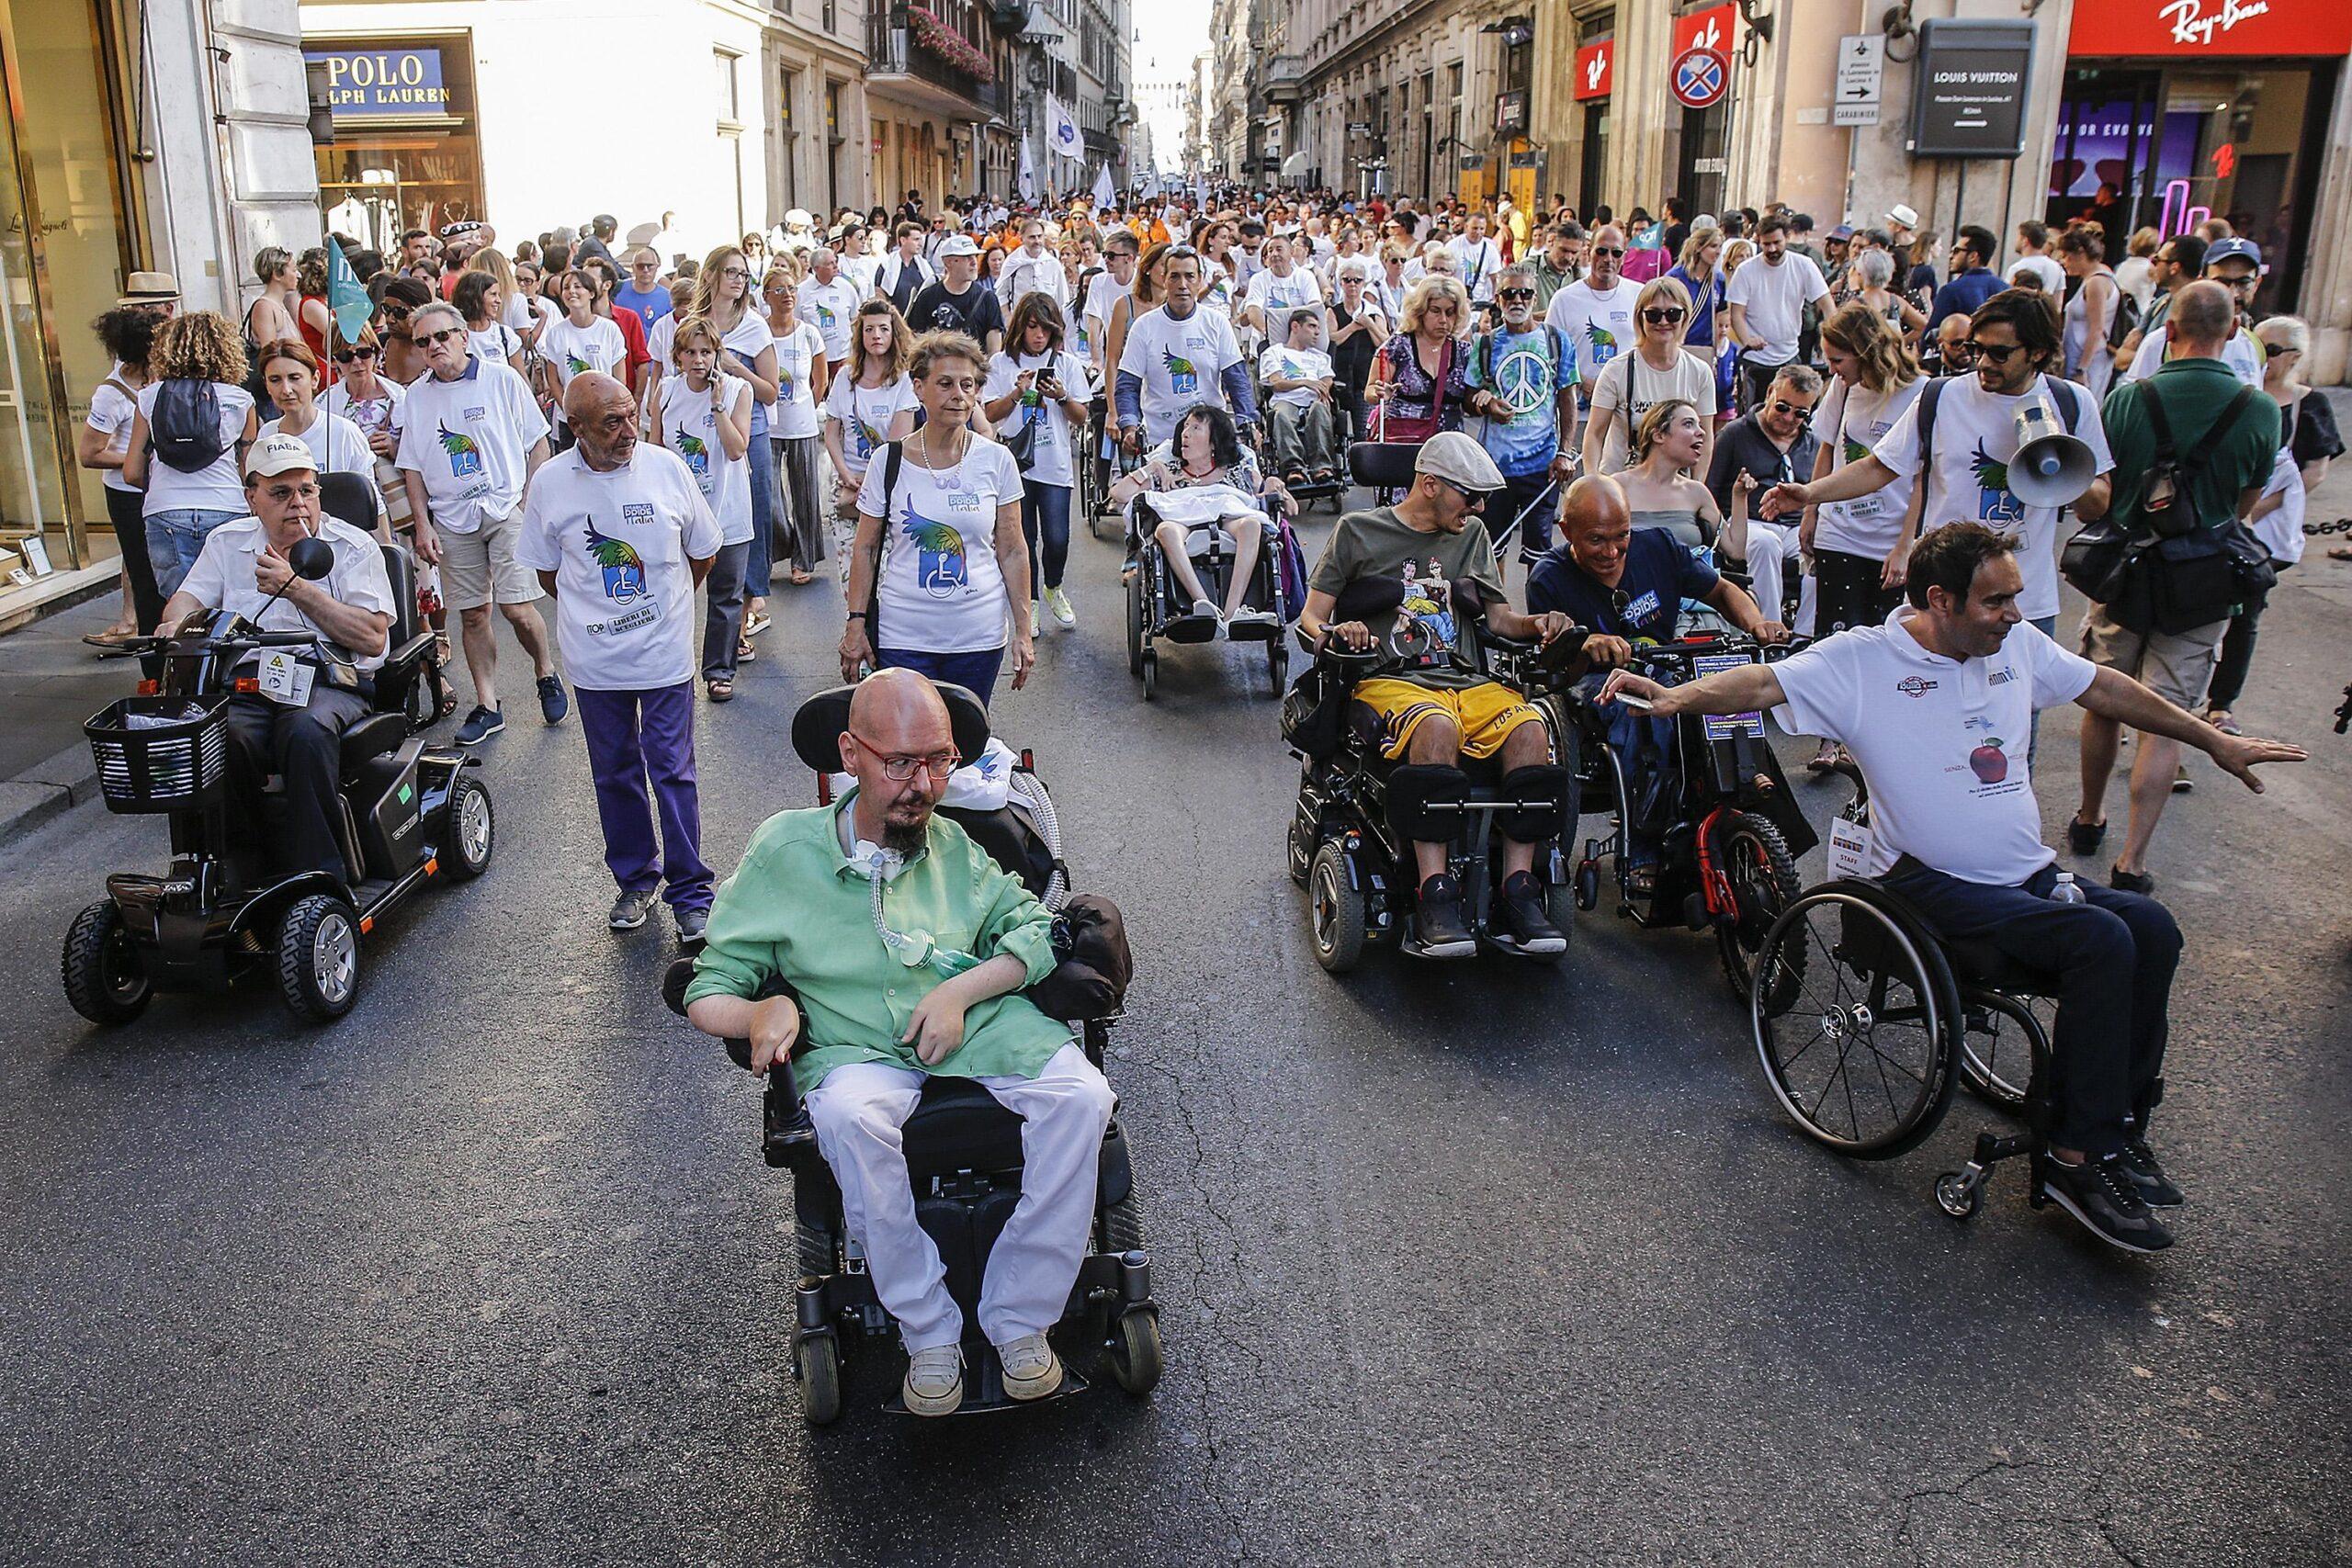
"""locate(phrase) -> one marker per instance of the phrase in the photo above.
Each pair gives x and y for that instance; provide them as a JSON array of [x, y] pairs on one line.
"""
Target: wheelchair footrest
[[984, 1385]]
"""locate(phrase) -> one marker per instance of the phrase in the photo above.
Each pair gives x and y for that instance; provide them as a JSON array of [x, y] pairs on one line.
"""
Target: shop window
[[730, 107], [405, 155]]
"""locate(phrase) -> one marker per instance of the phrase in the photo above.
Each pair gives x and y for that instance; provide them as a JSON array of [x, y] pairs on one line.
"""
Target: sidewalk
[[50, 682]]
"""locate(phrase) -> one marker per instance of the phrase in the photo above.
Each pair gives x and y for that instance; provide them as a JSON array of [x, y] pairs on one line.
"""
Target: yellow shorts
[[1485, 715]]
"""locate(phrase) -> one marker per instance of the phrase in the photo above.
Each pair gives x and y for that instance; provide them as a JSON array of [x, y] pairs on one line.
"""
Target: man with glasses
[[879, 1004], [1962, 432], [958, 302], [1177, 357], [2236, 266], [2177, 263], [1765, 301], [471, 438], [1522, 383], [1595, 315], [1771, 444], [618, 533], [643, 295], [1948, 351], [244, 561], [1973, 281]]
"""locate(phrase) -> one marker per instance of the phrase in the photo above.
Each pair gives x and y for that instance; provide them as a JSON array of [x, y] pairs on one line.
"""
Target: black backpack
[[186, 430]]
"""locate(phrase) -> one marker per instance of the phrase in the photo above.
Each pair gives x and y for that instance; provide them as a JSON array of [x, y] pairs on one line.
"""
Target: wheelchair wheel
[[817, 1367], [1277, 663], [318, 958], [1335, 910], [104, 979], [2004, 1036], [473, 828], [1857, 1023], [1764, 881], [1134, 621], [1137, 1356]]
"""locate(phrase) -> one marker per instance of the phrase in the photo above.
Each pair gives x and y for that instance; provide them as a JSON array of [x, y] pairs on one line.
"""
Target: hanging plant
[[948, 44]]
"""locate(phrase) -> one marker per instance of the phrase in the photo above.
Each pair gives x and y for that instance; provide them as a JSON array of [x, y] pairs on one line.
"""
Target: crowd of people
[[1731, 408]]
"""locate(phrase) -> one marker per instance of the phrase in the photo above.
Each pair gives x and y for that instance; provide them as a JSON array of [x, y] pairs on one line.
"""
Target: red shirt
[[632, 328]]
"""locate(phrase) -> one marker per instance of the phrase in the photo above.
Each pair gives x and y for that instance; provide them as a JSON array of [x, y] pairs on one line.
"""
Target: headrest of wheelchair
[[1367, 597], [1384, 465], [817, 727]]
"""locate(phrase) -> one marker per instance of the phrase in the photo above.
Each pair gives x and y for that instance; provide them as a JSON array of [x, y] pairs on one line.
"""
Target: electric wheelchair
[[1865, 1020], [963, 1148], [1156, 608], [1359, 814]]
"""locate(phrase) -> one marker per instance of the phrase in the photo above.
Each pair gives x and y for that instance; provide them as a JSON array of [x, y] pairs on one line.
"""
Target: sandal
[[721, 691], [1642, 881], [1825, 759], [744, 651], [802, 578], [2339, 552]]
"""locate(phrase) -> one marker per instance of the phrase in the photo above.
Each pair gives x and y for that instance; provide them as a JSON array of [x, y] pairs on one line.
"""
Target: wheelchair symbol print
[[1699, 77]]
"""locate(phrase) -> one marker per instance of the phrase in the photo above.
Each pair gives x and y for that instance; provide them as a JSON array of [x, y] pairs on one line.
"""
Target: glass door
[[37, 531]]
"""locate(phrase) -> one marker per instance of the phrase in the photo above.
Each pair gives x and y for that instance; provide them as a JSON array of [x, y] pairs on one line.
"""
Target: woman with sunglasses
[[402, 360], [291, 373], [938, 570], [1658, 368], [794, 438], [1420, 379], [1659, 490]]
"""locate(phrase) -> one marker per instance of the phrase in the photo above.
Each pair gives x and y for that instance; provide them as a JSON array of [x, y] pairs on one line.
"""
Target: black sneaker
[[480, 724], [692, 925], [2084, 838], [2157, 1189], [553, 704], [1437, 928], [1521, 924], [2102, 1194], [631, 908]]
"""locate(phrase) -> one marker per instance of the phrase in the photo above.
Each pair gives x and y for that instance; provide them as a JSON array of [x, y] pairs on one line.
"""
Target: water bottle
[[2064, 891]]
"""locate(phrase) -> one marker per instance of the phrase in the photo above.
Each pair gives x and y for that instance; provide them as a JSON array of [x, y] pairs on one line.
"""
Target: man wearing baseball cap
[[958, 302], [247, 560], [1418, 581], [2236, 265]]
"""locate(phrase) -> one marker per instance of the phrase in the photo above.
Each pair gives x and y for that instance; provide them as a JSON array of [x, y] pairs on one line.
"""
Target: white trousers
[[1771, 547], [859, 1109]]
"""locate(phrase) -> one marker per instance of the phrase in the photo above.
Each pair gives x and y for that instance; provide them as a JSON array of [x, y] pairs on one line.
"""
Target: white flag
[[1028, 185], [1061, 131], [1105, 193]]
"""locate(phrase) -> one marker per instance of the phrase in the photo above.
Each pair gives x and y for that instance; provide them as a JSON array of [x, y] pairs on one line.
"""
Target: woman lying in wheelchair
[[1926, 704], [1435, 704], [1211, 479], [904, 942]]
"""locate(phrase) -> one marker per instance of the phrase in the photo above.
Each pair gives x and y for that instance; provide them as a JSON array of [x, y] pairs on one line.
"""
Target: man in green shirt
[[1436, 705], [906, 945], [1559, 264], [2225, 470]]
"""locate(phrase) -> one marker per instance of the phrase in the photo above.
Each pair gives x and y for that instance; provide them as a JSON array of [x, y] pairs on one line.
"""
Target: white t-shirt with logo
[[1976, 434], [1629, 384], [2241, 353], [864, 414], [828, 307], [793, 413], [575, 351], [690, 429], [1478, 261], [1598, 326], [941, 591], [1278, 297], [1775, 298], [1179, 363], [469, 441], [1294, 365], [1857, 418], [1942, 742], [1049, 461], [618, 544]]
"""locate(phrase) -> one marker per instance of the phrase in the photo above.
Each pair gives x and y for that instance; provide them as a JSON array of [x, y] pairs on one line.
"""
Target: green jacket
[[796, 910], [2194, 392]]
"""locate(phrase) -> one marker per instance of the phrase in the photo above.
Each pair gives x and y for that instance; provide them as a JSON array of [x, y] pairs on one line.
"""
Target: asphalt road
[[1486, 1263]]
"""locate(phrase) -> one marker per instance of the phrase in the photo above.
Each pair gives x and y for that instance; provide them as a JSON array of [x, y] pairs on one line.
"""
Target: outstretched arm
[[2112, 694], [1749, 688]]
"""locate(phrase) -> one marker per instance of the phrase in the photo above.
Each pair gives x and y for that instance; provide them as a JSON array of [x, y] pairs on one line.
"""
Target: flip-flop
[[803, 579], [744, 651]]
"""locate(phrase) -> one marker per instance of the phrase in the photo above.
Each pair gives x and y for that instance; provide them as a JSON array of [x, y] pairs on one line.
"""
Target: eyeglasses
[[1474, 499], [734, 272], [1998, 353], [1798, 412], [899, 769], [1963, 349], [1661, 315], [346, 356], [444, 335], [1515, 293]]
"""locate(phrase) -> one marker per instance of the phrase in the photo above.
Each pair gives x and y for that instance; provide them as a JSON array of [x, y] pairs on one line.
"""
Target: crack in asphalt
[[2100, 1520]]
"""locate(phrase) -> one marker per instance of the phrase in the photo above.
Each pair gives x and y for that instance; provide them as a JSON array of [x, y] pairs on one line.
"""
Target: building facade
[[939, 87], [166, 137]]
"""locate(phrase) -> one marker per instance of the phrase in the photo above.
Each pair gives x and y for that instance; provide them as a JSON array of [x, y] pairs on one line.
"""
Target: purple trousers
[[636, 739]]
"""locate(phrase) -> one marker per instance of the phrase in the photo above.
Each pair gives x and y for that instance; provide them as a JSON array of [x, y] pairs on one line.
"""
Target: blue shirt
[[1523, 370], [1963, 294], [1659, 574], [649, 306], [1704, 297]]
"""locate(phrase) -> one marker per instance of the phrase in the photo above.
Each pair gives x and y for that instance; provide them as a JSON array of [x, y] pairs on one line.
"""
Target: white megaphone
[[2052, 466]]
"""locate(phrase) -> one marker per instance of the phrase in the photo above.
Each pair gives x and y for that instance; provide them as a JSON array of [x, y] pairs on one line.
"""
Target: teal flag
[[346, 297]]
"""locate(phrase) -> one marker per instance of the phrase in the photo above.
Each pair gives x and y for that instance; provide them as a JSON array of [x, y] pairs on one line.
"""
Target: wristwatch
[[860, 615]]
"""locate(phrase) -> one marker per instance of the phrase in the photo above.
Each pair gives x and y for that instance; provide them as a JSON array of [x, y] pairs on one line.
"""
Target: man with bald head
[[921, 977], [619, 533], [471, 438], [1627, 586]]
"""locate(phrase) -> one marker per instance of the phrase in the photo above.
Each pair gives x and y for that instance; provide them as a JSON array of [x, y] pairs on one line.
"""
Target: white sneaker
[[1033, 620], [1032, 1371], [935, 1384], [1058, 605]]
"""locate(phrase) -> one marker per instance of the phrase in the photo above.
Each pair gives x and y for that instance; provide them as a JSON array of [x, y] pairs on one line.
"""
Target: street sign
[[1699, 77], [1970, 98], [1862, 69], [1358, 128]]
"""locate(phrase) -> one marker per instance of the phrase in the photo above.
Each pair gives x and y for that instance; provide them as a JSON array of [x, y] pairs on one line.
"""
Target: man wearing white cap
[[958, 302], [1435, 704], [295, 730]]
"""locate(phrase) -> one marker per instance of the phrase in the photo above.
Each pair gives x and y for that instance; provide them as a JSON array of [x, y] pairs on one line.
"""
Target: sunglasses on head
[[1660, 315]]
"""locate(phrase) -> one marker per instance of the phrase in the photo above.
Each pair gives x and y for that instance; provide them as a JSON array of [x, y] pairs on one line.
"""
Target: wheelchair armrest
[[407, 654]]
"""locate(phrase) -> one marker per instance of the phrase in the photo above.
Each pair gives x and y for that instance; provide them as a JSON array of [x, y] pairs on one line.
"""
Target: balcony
[[902, 67], [1286, 79]]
